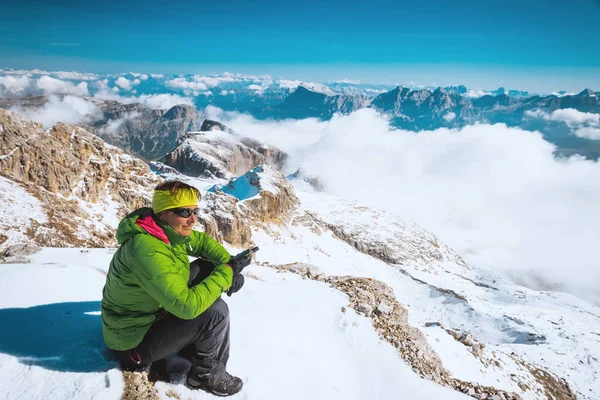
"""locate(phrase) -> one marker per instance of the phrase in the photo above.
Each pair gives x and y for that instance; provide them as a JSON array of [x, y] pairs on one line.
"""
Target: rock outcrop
[[223, 220], [308, 101], [376, 300], [83, 184], [257, 198], [149, 133], [220, 152], [265, 194]]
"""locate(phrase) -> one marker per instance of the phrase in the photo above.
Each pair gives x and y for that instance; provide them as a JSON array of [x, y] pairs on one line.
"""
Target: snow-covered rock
[[264, 193], [221, 153], [381, 301], [66, 186]]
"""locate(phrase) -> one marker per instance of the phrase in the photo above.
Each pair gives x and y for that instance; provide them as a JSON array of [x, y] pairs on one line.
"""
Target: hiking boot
[[228, 386], [158, 371]]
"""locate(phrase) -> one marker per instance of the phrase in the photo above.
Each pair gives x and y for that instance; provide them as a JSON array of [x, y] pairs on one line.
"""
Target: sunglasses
[[186, 212]]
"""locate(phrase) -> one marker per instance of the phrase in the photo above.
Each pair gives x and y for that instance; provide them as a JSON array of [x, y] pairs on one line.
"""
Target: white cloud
[[160, 101], [450, 116], [288, 84], [157, 76], [559, 94], [126, 84], [212, 82], [15, 84], [537, 114], [588, 133], [113, 125], [80, 76], [376, 91], [51, 86], [182, 83], [164, 100], [101, 84], [259, 90], [495, 194], [69, 109], [347, 81], [572, 116], [476, 93]]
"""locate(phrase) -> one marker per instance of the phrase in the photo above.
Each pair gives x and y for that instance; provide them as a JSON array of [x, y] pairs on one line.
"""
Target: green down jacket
[[148, 275]]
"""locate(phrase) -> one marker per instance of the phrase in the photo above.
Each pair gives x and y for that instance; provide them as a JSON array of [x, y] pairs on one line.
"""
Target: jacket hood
[[128, 228]]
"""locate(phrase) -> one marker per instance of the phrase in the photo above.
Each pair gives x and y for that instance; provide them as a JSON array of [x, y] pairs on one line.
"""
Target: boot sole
[[206, 389]]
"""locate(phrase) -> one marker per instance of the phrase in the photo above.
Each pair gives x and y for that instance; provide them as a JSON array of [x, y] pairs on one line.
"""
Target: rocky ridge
[[376, 300], [260, 197], [81, 182], [146, 132], [219, 152]]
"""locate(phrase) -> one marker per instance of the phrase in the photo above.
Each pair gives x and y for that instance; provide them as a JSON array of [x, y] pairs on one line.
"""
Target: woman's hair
[[175, 186]]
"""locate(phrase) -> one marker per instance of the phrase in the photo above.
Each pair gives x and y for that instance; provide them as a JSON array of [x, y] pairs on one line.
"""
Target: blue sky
[[531, 44]]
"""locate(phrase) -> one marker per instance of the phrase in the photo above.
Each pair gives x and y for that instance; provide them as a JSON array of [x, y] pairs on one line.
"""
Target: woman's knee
[[219, 309]]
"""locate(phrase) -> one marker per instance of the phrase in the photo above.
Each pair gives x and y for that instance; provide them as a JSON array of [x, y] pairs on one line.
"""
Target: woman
[[155, 304]]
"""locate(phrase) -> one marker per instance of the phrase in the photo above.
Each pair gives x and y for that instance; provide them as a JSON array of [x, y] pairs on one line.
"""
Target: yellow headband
[[164, 200]]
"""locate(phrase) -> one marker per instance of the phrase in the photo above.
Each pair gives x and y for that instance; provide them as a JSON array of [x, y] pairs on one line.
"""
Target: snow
[[19, 209], [318, 88], [496, 312], [289, 335], [250, 184], [11, 152], [476, 93]]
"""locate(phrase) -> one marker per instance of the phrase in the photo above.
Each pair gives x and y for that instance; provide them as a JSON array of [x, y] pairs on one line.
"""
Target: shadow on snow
[[60, 336]]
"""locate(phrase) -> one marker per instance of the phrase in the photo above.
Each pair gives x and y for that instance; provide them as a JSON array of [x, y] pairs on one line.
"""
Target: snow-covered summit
[[318, 88], [391, 311], [261, 178], [222, 153]]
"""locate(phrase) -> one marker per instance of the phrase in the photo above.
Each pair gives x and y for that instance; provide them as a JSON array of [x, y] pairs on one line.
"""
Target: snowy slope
[[551, 330], [300, 338], [19, 209], [290, 338]]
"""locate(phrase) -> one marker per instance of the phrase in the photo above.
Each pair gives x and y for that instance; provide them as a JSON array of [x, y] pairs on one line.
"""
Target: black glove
[[238, 263], [236, 284]]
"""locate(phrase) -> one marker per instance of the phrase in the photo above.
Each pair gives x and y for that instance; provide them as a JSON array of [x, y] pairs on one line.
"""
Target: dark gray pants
[[204, 340]]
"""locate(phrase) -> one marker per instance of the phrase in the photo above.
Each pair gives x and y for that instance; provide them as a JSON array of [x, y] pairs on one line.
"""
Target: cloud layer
[[495, 194], [582, 124], [68, 109]]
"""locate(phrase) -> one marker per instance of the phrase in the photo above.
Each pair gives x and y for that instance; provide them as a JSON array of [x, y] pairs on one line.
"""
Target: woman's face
[[181, 225]]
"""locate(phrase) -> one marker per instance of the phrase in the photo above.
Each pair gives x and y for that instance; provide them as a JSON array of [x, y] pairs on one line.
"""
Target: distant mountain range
[[152, 133]]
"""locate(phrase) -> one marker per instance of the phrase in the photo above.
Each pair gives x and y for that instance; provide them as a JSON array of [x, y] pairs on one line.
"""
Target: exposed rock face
[[376, 300], [210, 125], [138, 386], [389, 238], [265, 193], [260, 196], [423, 109], [146, 132], [313, 181], [304, 103], [81, 180], [18, 253], [223, 221], [221, 153]]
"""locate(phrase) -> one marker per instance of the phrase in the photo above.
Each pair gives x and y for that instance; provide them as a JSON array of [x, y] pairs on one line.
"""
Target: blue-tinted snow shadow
[[60, 336]]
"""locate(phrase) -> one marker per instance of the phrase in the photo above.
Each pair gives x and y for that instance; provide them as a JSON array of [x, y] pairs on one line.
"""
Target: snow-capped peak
[[318, 88]]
